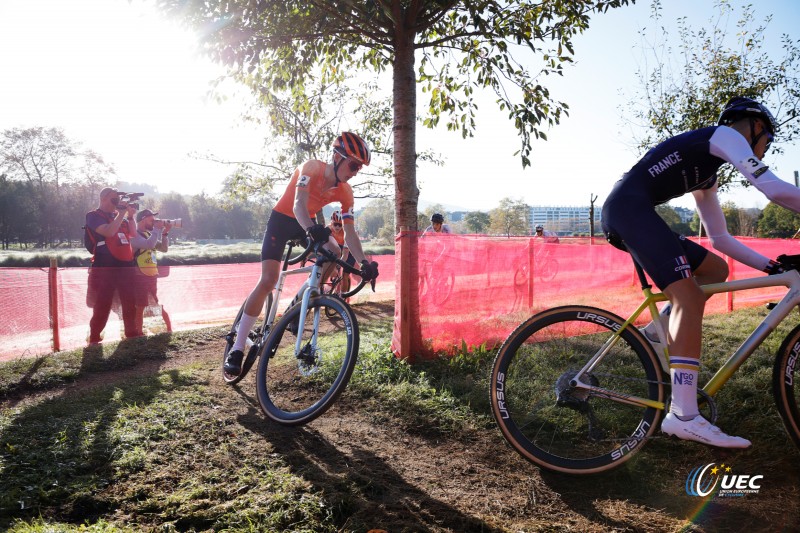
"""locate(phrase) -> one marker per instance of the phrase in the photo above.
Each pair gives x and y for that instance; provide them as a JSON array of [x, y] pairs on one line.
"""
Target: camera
[[129, 198], [176, 222]]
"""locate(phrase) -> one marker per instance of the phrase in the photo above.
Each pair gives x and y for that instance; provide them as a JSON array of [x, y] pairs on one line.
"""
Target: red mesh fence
[[194, 297], [474, 290]]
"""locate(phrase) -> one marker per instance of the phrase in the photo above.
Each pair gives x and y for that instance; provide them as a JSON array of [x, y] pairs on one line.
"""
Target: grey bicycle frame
[[310, 288], [790, 280]]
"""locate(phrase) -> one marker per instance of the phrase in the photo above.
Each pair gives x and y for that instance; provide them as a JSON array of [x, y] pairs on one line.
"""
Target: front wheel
[[783, 376], [555, 422], [299, 381]]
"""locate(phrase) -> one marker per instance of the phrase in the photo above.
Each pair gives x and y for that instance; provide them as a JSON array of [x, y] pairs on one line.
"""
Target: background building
[[564, 220]]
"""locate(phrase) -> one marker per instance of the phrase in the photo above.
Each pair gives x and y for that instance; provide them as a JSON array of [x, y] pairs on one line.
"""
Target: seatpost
[[288, 255], [640, 273]]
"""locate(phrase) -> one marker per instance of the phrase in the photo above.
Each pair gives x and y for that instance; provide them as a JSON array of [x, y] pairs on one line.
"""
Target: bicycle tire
[[548, 270], [295, 390], [251, 352], [783, 380], [564, 429]]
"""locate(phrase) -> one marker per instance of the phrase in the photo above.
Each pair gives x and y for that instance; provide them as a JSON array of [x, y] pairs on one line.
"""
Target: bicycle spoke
[[561, 425]]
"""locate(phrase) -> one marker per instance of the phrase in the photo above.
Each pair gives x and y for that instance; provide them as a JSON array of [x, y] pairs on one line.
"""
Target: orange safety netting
[[474, 290], [194, 297]]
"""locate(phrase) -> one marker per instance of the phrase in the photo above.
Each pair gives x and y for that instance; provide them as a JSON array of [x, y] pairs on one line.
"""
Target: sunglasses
[[336, 225], [770, 138], [354, 166]]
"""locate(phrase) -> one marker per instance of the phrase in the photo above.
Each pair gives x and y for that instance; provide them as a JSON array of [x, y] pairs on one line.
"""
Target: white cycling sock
[[683, 374], [246, 323]]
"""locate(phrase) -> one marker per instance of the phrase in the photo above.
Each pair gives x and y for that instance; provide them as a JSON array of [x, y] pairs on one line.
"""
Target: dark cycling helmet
[[740, 107], [349, 144], [437, 218]]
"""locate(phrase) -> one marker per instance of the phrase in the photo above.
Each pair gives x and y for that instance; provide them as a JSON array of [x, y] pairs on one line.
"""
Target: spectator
[[437, 226], [110, 227], [152, 236], [548, 236], [313, 184]]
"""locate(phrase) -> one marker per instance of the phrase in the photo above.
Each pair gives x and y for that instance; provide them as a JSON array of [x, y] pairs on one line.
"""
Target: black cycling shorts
[[280, 230], [630, 222]]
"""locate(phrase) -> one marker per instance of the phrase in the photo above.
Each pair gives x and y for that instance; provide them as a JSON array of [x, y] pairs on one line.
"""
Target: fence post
[[52, 289], [729, 294], [531, 266]]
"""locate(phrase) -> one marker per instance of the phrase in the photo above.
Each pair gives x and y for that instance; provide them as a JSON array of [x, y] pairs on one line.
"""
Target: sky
[[116, 76]]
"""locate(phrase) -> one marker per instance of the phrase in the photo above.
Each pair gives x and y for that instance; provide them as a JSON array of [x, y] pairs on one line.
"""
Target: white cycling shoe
[[701, 430], [650, 334]]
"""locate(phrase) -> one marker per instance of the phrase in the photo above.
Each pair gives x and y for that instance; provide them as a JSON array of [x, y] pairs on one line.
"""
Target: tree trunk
[[406, 341]]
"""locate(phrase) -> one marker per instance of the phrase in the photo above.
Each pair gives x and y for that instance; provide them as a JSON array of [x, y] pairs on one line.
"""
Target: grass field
[[182, 253], [145, 436]]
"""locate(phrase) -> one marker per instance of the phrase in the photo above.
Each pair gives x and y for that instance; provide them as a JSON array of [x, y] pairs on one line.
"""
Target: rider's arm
[[353, 242], [730, 145], [713, 219], [300, 209]]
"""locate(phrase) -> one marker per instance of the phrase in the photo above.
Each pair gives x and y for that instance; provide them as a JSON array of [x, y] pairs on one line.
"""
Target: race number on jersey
[[303, 181], [754, 166]]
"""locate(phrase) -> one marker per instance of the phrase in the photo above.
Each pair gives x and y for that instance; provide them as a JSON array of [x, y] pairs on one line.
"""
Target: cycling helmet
[[539, 228], [336, 217], [437, 218], [740, 107], [349, 144]]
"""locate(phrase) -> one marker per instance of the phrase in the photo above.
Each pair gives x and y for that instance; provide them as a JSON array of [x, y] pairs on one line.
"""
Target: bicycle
[[304, 363], [435, 282], [580, 390], [545, 265], [257, 335]]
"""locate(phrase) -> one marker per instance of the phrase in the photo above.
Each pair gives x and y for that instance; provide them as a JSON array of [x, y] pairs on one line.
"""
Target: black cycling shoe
[[293, 326], [233, 363]]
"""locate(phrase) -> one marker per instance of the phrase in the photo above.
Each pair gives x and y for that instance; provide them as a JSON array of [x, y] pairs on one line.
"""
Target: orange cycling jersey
[[338, 236], [311, 175]]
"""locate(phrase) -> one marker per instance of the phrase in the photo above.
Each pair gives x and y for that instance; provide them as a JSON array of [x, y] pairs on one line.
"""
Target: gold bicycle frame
[[790, 280]]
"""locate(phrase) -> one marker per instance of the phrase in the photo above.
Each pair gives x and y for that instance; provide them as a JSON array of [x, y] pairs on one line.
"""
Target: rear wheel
[[251, 347], [298, 381], [558, 424], [787, 396]]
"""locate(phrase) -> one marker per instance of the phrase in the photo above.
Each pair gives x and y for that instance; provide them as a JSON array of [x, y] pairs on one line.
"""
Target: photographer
[[151, 236], [111, 227]]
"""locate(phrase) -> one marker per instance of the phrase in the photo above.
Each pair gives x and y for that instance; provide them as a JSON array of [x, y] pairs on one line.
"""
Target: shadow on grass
[[56, 455], [363, 490], [23, 377]]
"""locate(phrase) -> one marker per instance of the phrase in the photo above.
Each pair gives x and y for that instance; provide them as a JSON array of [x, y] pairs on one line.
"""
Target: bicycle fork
[[306, 354]]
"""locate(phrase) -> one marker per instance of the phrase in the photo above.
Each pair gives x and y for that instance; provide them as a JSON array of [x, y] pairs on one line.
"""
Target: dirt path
[[422, 479]]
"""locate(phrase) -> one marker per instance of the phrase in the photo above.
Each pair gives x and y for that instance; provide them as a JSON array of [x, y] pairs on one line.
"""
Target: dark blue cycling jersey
[[676, 166]]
